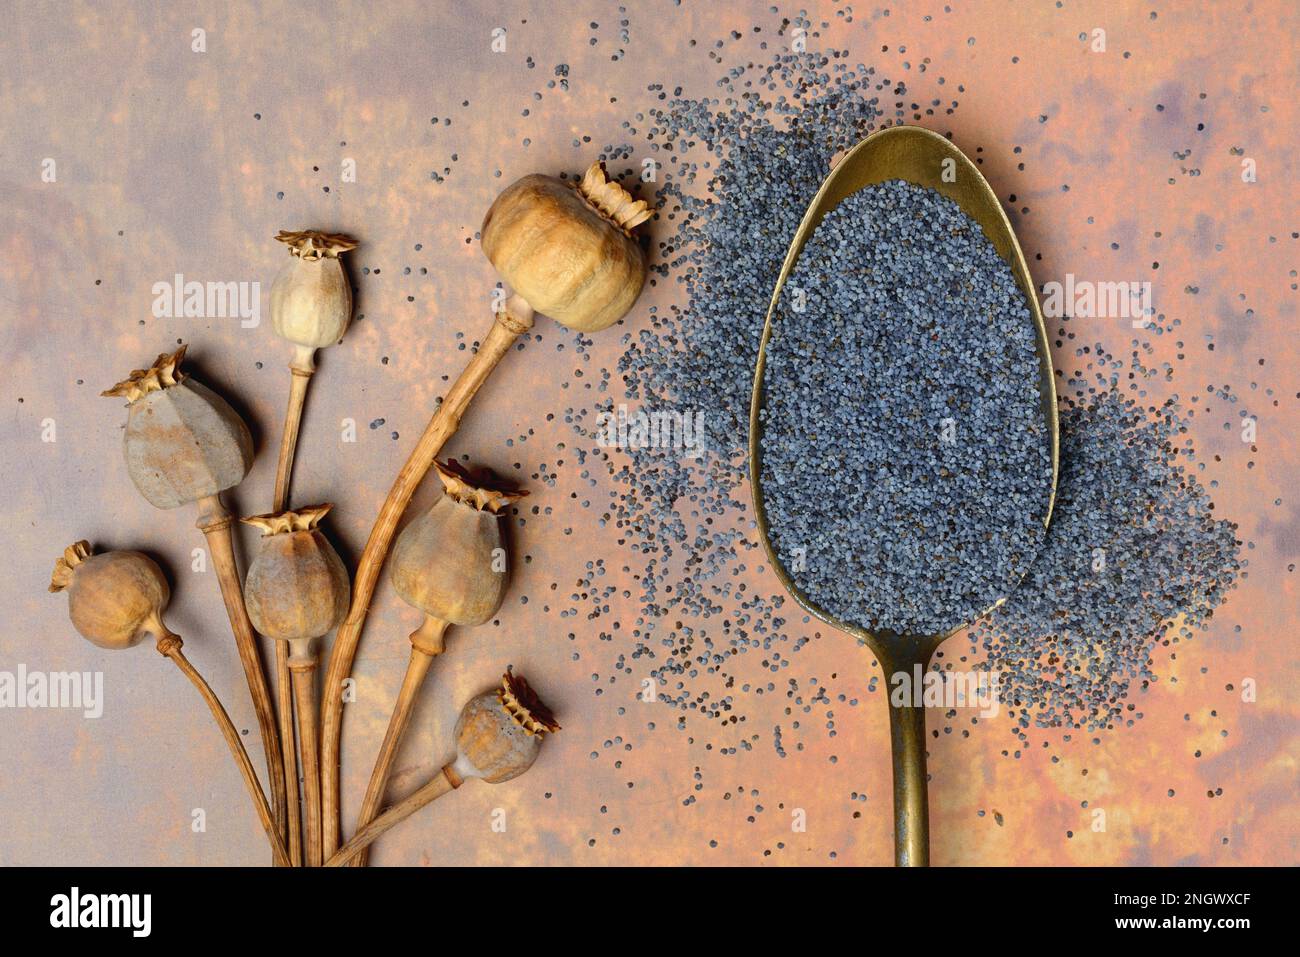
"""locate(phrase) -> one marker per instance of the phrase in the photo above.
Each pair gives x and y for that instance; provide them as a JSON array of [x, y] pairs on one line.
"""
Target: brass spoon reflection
[[927, 159]]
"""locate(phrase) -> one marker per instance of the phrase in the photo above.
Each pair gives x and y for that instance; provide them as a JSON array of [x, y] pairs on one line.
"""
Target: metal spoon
[[927, 159]]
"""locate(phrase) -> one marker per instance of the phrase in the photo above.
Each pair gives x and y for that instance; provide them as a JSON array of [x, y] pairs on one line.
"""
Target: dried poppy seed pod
[[115, 599], [297, 586], [568, 249], [311, 298], [450, 562], [183, 441], [499, 733]]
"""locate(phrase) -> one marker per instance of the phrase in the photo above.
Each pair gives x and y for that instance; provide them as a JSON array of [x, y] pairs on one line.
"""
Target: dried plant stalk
[[301, 370], [283, 681], [214, 521], [416, 670], [513, 321], [301, 373], [171, 648], [444, 782], [565, 248], [302, 663], [289, 742]]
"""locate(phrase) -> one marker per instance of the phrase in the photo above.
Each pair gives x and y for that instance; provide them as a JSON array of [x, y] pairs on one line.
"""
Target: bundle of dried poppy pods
[[567, 250]]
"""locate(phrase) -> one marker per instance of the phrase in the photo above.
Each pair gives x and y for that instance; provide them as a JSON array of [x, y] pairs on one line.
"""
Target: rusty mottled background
[[168, 160]]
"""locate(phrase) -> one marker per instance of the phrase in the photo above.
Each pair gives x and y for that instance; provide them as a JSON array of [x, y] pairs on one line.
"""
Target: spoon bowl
[[927, 159]]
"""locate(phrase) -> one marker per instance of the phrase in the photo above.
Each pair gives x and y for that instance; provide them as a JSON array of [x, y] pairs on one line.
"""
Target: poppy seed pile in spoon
[[905, 457], [737, 170]]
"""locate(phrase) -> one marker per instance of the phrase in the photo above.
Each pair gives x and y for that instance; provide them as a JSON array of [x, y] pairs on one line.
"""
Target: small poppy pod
[[499, 733], [297, 586], [115, 599], [311, 298], [568, 249], [183, 442], [450, 562]]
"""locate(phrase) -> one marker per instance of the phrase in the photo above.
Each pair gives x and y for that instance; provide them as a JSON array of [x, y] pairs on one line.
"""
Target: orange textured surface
[[170, 161]]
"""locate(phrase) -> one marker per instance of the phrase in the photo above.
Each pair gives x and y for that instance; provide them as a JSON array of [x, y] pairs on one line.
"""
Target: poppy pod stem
[[426, 643], [514, 320], [444, 782], [289, 741], [568, 251], [302, 664], [169, 646], [301, 368], [214, 521]]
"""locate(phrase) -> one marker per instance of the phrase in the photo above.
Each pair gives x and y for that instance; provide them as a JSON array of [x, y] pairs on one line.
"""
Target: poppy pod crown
[[311, 244]]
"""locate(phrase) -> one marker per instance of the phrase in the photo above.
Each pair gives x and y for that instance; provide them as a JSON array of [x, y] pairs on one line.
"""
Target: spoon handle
[[911, 808]]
